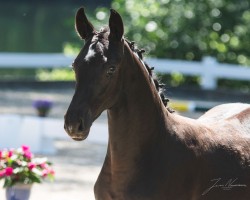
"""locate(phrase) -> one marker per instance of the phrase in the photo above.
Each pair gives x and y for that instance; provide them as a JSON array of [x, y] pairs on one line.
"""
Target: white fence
[[39, 133], [208, 69], [34, 60]]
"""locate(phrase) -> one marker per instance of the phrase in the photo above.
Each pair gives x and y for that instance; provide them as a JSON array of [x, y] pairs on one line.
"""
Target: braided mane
[[159, 87]]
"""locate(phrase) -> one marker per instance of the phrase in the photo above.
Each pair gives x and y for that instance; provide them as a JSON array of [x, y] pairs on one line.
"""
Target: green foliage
[[17, 74], [188, 29], [55, 75], [176, 29], [60, 74], [36, 27], [177, 79]]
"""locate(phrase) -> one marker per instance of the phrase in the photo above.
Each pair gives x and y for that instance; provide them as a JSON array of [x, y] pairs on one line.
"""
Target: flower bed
[[20, 166]]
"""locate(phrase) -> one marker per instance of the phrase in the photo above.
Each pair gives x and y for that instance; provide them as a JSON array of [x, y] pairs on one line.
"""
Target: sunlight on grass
[[55, 75]]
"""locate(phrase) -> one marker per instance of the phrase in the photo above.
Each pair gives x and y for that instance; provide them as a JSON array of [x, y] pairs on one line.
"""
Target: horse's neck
[[137, 121]]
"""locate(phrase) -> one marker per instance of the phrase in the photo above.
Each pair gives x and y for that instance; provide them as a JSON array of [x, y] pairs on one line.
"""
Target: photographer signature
[[231, 183]]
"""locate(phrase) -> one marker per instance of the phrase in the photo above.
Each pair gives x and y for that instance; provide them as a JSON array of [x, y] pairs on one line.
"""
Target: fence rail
[[208, 69], [34, 60]]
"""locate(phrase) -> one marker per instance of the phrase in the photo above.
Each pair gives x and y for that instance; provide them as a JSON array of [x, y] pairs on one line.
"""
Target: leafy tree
[[188, 29]]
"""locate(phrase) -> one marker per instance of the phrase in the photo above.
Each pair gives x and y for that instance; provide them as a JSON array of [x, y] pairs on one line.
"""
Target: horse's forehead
[[94, 49], [91, 53]]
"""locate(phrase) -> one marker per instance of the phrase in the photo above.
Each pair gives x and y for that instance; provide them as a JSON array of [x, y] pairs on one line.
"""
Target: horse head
[[97, 69]]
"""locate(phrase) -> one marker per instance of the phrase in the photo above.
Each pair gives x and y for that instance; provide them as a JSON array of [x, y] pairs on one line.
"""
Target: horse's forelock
[[103, 33]]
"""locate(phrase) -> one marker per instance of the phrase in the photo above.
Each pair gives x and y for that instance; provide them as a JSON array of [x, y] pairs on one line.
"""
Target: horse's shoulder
[[226, 112]]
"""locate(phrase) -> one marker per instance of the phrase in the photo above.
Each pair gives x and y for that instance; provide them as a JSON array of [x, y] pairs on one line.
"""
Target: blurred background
[[189, 30], [200, 50]]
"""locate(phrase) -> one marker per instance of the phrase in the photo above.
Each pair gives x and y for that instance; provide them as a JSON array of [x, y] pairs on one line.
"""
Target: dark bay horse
[[153, 153]]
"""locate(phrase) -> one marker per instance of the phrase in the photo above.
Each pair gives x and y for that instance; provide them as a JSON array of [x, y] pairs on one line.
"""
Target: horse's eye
[[111, 71]]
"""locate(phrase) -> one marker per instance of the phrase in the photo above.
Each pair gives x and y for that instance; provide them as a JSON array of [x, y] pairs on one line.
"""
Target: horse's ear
[[83, 27], [115, 25]]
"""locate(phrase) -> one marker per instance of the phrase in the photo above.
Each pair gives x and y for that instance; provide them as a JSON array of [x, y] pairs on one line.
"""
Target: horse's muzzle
[[76, 132], [77, 129]]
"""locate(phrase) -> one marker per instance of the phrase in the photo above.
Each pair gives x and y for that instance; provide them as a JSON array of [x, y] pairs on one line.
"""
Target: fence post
[[208, 78]]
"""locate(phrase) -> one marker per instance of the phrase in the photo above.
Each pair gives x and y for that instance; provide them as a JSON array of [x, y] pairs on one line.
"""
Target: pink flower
[[44, 165], [28, 154], [31, 165], [25, 148], [10, 153], [52, 172], [2, 173], [1, 154], [45, 172], [9, 171]]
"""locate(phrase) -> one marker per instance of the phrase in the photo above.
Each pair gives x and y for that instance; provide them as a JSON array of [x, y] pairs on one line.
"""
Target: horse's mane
[[159, 86]]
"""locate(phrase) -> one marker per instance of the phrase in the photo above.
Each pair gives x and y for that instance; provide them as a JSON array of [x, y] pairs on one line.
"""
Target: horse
[[153, 153]]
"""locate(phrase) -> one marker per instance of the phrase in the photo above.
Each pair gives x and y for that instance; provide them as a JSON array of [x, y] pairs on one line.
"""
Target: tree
[[188, 29]]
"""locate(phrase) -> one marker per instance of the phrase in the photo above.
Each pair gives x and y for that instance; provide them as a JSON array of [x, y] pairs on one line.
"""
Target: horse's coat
[[153, 154]]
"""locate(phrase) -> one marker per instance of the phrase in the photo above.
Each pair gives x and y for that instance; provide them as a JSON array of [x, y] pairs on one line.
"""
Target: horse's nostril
[[81, 126]]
